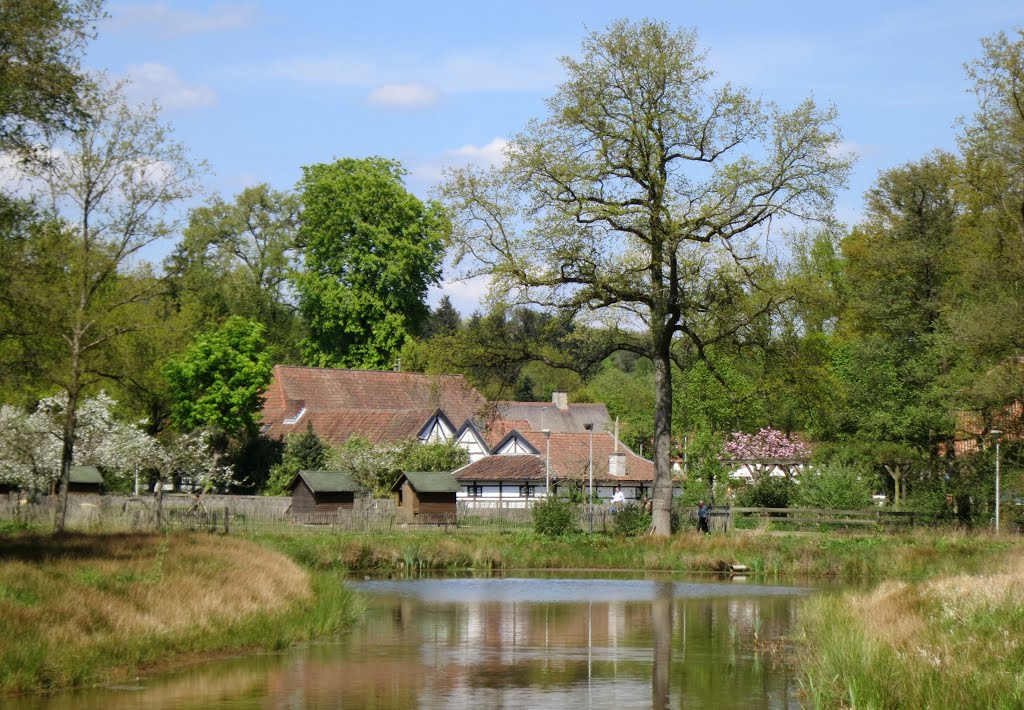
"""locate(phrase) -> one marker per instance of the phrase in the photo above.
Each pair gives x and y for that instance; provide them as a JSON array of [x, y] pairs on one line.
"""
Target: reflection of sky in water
[[564, 590]]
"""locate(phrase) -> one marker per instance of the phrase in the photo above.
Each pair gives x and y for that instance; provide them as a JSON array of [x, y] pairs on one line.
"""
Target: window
[[474, 491], [641, 492], [527, 491]]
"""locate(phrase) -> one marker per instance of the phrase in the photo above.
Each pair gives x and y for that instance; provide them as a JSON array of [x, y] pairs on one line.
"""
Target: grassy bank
[[838, 556], [955, 641], [82, 609]]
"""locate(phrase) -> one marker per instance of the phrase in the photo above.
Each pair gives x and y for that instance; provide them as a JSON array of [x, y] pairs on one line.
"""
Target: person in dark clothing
[[702, 518]]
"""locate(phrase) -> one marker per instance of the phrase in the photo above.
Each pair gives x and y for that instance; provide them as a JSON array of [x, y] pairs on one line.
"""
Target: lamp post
[[589, 426], [996, 434], [547, 462]]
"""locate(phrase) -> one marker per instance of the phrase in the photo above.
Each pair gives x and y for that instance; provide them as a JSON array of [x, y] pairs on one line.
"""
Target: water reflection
[[512, 643]]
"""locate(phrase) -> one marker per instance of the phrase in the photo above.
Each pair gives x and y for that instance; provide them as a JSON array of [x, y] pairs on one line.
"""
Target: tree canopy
[[371, 250], [637, 201]]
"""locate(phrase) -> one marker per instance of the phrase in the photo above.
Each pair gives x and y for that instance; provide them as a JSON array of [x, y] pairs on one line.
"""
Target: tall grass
[[81, 609], [950, 642], [913, 555]]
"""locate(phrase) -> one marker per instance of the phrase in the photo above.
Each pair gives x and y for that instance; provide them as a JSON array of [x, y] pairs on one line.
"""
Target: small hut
[[322, 492], [85, 479], [426, 496]]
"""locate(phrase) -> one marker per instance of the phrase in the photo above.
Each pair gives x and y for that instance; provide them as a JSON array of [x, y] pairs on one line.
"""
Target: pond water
[[513, 642]]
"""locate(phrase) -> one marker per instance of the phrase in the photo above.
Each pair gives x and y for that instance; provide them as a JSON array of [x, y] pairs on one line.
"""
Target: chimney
[[617, 464], [560, 400]]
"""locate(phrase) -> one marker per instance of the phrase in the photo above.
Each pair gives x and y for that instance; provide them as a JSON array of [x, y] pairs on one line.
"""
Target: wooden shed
[[85, 479], [426, 497], [322, 492]]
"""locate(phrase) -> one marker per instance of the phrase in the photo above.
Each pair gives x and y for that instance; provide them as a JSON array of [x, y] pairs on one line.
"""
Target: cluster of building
[[517, 450]]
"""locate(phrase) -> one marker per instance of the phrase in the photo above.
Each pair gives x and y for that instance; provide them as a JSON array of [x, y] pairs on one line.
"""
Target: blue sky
[[259, 89]]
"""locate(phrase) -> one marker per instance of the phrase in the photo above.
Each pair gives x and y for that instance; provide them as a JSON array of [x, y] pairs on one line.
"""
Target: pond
[[536, 642]]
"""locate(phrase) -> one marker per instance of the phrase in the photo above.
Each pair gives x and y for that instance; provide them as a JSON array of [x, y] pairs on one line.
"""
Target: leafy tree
[[834, 486], [114, 185], [218, 382], [443, 320], [40, 75], [371, 250], [639, 199], [235, 259], [302, 452]]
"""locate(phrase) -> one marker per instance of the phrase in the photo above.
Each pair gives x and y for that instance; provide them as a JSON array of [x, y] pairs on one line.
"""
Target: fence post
[[227, 515]]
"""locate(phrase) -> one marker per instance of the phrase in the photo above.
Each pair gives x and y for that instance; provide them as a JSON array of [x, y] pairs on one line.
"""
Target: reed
[[952, 641], [912, 555], [82, 609]]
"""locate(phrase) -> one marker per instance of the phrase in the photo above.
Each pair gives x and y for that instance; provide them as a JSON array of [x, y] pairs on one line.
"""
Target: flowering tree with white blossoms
[[30, 447], [765, 450], [30, 443]]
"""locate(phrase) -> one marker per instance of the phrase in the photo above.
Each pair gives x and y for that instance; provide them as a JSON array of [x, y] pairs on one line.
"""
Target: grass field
[[79, 609]]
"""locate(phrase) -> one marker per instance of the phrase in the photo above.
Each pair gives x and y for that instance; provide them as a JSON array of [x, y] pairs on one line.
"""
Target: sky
[[260, 89]]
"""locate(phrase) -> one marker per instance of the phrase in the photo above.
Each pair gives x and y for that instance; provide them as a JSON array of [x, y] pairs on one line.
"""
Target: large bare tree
[[642, 202]]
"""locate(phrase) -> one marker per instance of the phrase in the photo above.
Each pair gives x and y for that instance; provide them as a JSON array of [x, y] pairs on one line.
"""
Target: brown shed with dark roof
[[322, 492], [426, 496]]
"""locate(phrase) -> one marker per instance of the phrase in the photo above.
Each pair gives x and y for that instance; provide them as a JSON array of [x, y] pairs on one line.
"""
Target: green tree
[[371, 250], [40, 75], [114, 186], [235, 260], [302, 452], [443, 320], [218, 382], [640, 198]]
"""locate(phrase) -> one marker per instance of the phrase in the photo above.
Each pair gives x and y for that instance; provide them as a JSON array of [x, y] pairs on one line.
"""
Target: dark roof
[[379, 406], [428, 482], [85, 474], [326, 482], [545, 415]]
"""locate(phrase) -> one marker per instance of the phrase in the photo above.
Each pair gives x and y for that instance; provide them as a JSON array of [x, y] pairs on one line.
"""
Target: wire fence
[[265, 514]]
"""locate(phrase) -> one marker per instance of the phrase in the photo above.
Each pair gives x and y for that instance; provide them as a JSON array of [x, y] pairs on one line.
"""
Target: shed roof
[[428, 482], [326, 481], [85, 474]]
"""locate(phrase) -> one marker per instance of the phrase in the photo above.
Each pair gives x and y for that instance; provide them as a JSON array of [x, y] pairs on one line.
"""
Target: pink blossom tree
[[764, 451]]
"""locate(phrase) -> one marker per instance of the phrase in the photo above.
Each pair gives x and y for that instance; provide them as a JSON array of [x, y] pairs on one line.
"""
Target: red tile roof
[[570, 457], [379, 406]]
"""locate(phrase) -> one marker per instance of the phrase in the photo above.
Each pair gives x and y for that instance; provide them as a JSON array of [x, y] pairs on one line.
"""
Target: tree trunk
[[661, 519], [67, 452]]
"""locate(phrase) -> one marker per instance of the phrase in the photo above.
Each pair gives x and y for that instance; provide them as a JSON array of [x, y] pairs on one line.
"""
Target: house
[[321, 492], [520, 464], [382, 407], [85, 479], [426, 497]]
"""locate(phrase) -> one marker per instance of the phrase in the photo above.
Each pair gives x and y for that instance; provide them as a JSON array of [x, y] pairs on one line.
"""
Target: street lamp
[[547, 462], [996, 434], [589, 426]]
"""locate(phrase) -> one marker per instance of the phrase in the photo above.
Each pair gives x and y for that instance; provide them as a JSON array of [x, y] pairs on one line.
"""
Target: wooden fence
[[262, 514], [732, 518]]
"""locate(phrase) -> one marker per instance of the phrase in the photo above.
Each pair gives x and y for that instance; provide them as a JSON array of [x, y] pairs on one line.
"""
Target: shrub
[[834, 486], [555, 515], [769, 492], [632, 520]]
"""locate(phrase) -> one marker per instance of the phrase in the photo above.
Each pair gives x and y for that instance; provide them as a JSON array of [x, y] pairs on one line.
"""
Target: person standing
[[702, 518], [617, 499]]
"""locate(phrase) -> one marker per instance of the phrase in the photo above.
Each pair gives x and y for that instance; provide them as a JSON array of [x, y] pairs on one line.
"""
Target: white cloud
[[160, 19], [487, 155], [413, 95], [466, 296], [161, 82], [527, 69]]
